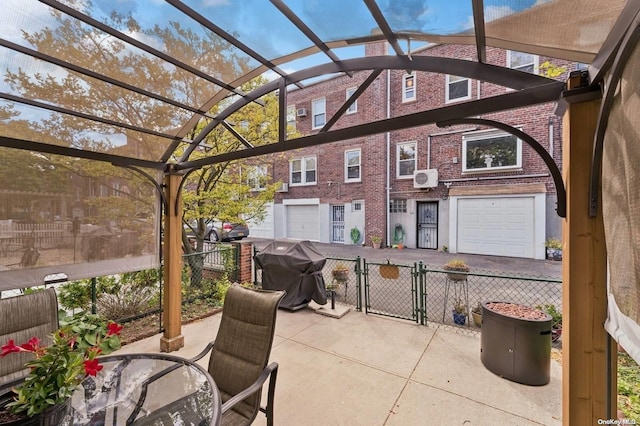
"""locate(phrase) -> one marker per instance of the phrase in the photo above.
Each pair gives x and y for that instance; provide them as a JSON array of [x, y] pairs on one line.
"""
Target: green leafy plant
[[477, 309], [553, 243], [554, 312], [355, 235], [57, 369], [459, 307], [628, 386]]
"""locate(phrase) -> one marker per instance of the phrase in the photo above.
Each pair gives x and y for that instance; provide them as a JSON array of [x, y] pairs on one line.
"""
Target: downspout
[[551, 136], [388, 183]]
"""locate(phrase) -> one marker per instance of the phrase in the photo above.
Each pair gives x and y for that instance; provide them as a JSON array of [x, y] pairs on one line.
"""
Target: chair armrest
[[255, 387], [203, 353]]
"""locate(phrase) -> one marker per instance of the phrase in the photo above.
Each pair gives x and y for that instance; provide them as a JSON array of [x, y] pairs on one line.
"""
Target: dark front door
[[428, 225]]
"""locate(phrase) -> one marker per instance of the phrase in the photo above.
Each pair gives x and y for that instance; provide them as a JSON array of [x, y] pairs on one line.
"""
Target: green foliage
[[628, 386], [221, 287], [355, 235], [553, 243], [554, 312], [57, 369], [550, 70], [459, 307], [501, 151]]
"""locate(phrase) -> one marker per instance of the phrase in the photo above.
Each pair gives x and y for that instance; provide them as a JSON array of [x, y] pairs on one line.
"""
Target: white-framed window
[[302, 171], [357, 205], [291, 118], [489, 150], [397, 205], [522, 61], [409, 87], [457, 88], [257, 177], [115, 189], [406, 157], [354, 106], [582, 66], [352, 165], [318, 112]]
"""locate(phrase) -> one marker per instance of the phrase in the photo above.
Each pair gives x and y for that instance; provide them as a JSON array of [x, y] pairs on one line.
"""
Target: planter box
[[515, 348]]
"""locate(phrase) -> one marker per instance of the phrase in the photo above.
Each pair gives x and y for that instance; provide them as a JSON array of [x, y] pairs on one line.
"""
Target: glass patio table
[[147, 389]]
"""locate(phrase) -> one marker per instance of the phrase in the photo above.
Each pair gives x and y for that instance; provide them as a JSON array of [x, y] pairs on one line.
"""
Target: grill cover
[[295, 267]]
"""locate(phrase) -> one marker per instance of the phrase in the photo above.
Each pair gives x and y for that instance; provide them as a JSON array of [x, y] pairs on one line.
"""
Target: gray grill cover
[[295, 267]]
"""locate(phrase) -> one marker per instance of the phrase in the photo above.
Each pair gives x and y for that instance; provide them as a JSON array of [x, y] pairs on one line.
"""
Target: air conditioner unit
[[302, 112], [284, 187], [427, 178]]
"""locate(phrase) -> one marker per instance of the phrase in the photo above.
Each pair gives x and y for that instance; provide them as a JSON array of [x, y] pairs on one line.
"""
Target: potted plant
[[340, 273], [556, 319], [376, 240], [459, 312], [55, 370], [456, 270], [554, 248], [476, 313]]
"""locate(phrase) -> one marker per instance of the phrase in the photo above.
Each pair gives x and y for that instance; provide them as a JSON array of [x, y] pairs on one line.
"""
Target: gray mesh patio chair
[[21, 318], [240, 353]]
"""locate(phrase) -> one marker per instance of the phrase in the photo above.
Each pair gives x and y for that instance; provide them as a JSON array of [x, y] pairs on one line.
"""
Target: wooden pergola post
[[584, 277], [172, 339]]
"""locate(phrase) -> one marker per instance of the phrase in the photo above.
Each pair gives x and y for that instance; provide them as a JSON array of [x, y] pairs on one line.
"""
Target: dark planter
[[457, 276], [50, 417], [515, 348]]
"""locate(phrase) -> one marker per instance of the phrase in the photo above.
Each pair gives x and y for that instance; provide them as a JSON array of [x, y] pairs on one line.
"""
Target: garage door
[[303, 222], [496, 226]]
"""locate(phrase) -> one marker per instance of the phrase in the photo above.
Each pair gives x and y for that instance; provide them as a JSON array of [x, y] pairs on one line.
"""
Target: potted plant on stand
[[456, 269], [459, 312], [44, 397]]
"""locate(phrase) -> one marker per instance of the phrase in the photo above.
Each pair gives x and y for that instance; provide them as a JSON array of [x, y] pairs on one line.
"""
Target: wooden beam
[[172, 339], [584, 277]]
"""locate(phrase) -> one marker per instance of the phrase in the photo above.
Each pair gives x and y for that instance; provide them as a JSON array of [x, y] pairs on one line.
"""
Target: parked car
[[222, 231]]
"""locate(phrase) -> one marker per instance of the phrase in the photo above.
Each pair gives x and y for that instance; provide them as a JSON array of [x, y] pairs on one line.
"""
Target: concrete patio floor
[[369, 370]]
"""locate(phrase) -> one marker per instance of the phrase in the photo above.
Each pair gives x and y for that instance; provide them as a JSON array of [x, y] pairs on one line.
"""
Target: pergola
[[129, 91]]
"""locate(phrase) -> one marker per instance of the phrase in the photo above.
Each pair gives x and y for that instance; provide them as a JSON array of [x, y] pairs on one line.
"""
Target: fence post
[[358, 284], [94, 308], [422, 306]]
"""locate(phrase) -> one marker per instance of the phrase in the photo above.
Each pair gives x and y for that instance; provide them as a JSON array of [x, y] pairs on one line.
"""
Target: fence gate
[[393, 290]]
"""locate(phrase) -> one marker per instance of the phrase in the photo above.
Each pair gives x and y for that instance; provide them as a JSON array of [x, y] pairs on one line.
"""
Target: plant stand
[[460, 292]]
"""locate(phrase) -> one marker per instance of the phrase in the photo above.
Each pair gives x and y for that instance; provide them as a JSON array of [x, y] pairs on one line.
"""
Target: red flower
[[113, 328], [91, 367], [9, 348], [32, 345]]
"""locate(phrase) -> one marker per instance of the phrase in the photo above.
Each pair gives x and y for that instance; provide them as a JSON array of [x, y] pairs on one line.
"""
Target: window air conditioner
[[427, 178], [302, 112], [284, 187]]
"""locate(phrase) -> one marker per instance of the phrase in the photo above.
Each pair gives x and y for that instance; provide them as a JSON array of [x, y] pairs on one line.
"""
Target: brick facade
[[437, 148]]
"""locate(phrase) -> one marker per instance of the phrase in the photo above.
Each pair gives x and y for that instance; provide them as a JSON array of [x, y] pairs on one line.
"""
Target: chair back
[[21, 318], [243, 344]]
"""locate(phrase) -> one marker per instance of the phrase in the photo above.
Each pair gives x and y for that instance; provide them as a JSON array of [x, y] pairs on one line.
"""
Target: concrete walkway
[[368, 370]]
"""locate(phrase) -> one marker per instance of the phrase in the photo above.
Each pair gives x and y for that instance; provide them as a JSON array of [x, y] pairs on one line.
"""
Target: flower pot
[[457, 276], [50, 417], [459, 318], [340, 275], [554, 253], [376, 245], [477, 318]]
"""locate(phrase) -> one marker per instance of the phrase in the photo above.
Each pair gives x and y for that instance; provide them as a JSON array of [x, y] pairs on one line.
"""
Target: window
[[522, 61], [257, 178], [582, 67], [409, 87], [357, 205], [406, 159], [490, 150], [244, 125], [397, 205], [303, 171], [319, 113], [354, 106], [291, 118], [457, 88], [352, 165]]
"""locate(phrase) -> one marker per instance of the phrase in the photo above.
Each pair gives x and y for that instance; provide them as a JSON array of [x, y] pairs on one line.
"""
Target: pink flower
[[91, 367], [9, 348]]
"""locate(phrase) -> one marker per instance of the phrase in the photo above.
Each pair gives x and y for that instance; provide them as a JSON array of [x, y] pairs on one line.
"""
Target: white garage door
[[303, 222], [496, 226], [264, 228]]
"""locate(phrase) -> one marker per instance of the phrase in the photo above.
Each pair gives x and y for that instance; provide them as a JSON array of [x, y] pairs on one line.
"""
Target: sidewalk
[[436, 259], [367, 370]]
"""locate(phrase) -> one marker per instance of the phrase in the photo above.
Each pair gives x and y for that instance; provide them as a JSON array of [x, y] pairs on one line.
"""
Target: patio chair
[[21, 318], [240, 353]]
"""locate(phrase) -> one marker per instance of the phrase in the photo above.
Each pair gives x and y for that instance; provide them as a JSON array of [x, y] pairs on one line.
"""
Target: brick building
[[466, 188]]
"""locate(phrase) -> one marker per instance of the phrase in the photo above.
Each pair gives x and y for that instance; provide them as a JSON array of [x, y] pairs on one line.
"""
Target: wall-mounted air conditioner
[[284, 187], [427, 178], [302, 112]]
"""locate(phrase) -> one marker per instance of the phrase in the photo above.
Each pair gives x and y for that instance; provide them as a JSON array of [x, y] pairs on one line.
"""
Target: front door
[[337, 224], [428, 225]]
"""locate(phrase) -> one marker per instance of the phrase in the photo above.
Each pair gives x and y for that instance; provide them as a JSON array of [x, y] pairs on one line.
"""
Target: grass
[[628, 387]]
